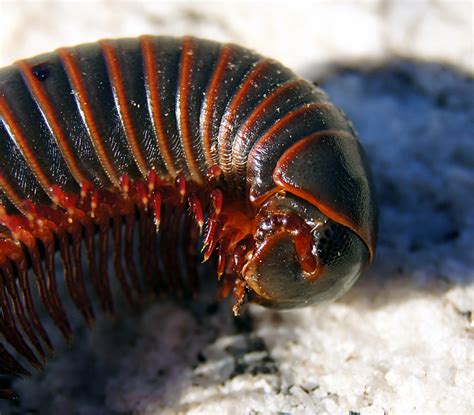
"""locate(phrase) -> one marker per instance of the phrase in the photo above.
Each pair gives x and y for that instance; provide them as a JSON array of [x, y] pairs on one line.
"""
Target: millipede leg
[[190, 241], [83, 301], [48, 294], [90, 248], [213, 234], [148, 256], [10, 331], [144, 249], [165, 230], [196, 209], [173, 250], [117, 259], [241, 251], [129, 249], [19, 309], [8, 394], [9, 365], [106, 293], [66, 259], [240, 289], [26, 292], [153, 248]]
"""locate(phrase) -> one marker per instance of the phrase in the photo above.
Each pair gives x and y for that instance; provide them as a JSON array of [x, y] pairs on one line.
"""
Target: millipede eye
[[337, 244]]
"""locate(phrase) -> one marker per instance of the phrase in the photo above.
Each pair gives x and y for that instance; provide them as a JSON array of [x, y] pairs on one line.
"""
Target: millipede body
[[124, 157]]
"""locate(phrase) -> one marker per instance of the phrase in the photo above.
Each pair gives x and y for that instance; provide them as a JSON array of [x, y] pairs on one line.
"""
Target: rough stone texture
[[402, 340], [299, 34]]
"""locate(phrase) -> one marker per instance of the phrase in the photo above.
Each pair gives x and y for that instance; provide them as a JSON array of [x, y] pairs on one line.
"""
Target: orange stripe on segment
[[15, 131], [326, 209], [75, 79], [211, 96], [152, 90], [281, 124], [115, 77], [12, 195], [260, 200], [232, 110], [269, 100], [41, 98], [259, 112], [187, 57]]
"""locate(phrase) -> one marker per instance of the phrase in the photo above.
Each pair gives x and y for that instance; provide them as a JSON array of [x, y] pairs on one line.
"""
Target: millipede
[[122, 159]]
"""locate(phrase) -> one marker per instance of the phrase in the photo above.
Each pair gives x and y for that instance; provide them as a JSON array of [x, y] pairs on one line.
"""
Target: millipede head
[[301, 256]]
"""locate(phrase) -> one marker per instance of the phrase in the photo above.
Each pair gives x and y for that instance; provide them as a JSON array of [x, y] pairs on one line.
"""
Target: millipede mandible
[[146, 150]]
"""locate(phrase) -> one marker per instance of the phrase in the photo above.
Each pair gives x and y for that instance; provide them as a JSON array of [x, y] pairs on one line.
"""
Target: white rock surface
[[300, 33], [402, 341]]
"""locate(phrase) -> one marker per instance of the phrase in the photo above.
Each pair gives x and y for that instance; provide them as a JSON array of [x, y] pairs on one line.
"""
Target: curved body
[[121, 123]]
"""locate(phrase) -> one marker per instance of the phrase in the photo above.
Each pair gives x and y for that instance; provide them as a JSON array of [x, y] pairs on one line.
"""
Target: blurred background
[[402, 340], [300, 34]]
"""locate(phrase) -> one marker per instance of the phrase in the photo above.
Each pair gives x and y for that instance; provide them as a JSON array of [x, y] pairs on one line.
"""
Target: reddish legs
[[93, 217], [240, 290], [241, 252], [196, 209]]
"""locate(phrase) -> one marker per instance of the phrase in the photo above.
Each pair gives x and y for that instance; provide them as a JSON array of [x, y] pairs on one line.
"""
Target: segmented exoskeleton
[[146, 142]]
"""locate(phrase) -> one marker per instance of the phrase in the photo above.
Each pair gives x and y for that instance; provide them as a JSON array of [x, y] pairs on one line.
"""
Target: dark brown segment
[[8, 195], [210, 102], [347, 198], [260, 81], [225, 128], [284, 99], [195, 68], [285, 132], [48, 83], [182, 107], [81, 94], [87, 72], [17, 181], [233, 63], [16, 132], [131, 61], [35, 84], [125, 68], [11, 125], [160, 61], [25, 125]]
